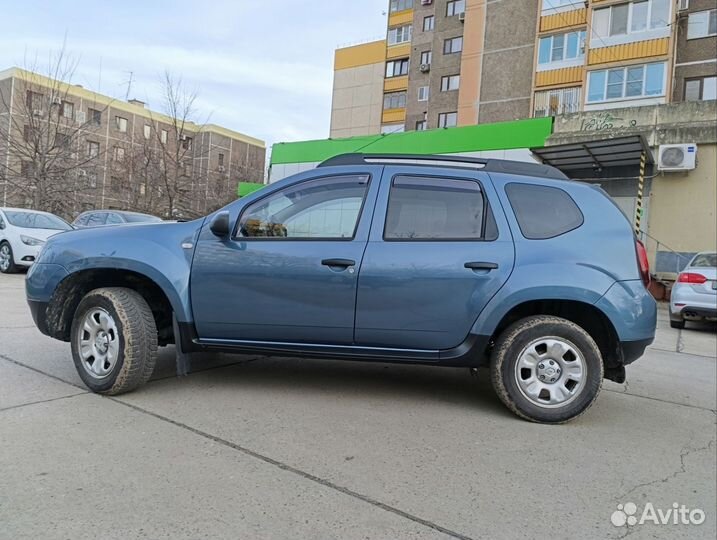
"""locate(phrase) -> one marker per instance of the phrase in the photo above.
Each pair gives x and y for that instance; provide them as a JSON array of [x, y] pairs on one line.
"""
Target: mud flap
[[184, 359]]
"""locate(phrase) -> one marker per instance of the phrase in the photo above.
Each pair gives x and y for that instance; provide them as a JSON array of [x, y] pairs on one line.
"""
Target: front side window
[[394, 100], [561, 48], [326, 208], [543, 212], [400, 34], [701, 88], [455, 7], [449, 119], [422, 208], [644, 80], [397, 68], [702, 24]]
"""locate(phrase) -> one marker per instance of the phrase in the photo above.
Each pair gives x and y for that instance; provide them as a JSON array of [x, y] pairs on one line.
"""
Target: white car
[[694, 294], [22, 235]]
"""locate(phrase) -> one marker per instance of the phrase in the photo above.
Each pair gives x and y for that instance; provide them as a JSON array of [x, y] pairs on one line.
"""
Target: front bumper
[[25, 255], [39, 315]]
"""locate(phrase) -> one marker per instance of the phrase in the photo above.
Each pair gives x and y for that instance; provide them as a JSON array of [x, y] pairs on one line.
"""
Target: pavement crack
[[13, 361], [306, 475], [21, 405]]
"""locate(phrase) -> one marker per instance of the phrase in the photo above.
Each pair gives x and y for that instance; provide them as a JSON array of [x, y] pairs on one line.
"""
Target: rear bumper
[[688, 311], [632, 350]]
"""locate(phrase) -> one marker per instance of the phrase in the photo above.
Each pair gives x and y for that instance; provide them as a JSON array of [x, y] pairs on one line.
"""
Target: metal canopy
[[596, 155]]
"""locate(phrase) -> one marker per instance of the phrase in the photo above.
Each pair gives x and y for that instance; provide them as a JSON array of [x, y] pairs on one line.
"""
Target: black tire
[[11, 268], [511, 345], [677, 324], [136, 336]]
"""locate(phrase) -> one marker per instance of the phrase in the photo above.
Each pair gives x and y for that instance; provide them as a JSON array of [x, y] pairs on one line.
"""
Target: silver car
[[694, 295]]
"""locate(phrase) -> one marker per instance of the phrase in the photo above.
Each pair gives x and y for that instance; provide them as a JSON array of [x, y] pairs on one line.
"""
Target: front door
[[438, 251], [289, 272]]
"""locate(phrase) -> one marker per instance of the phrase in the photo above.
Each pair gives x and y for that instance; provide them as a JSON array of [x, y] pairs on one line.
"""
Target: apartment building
[[115, 154], [463, 62]]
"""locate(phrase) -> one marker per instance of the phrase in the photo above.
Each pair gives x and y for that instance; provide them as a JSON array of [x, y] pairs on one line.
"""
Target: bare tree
[[47, 139]]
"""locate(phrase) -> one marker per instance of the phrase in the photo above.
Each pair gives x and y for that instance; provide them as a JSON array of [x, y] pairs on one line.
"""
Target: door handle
[[481, 265], [342, 263]]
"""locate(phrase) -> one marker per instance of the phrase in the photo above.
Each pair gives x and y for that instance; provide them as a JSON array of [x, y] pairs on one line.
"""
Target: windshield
[[704, 260], [33, 220], [141, 218]]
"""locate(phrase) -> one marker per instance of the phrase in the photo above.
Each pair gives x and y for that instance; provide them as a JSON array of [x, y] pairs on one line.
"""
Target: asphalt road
[[254, 448]]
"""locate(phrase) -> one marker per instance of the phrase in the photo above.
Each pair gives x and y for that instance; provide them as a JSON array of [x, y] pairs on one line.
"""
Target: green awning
[[245, 188]]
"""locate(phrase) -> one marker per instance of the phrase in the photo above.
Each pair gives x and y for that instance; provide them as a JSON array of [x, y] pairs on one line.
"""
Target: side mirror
[[220, 224]]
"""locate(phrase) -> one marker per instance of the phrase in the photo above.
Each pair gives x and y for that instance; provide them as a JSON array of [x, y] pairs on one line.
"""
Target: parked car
[[22, 235], [443, 261], [694, 294], [99, 218]]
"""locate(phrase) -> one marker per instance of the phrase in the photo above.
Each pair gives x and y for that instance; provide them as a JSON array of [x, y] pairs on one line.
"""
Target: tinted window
[[96, 219], [113, 219], [323, 208], [434, 209], [705, 260], [543, 212], [82, 220]]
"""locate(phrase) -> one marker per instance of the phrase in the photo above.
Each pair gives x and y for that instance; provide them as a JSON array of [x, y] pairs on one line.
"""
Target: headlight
[[30, 241]]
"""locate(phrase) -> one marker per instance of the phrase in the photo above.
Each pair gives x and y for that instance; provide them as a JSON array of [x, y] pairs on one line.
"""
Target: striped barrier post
[[640, 188]]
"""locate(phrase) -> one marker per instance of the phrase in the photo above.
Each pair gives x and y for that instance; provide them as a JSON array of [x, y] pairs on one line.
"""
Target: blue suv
[[437, 260]]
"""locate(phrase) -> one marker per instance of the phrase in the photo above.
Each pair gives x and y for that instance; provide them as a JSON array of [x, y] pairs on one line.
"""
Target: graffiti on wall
[[604, 121]]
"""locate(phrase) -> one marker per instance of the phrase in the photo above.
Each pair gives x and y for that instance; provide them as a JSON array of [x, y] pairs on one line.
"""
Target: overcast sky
[[264, 68]]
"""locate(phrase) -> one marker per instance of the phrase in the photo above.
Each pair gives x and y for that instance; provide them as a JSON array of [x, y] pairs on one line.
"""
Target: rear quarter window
[[543, 212]]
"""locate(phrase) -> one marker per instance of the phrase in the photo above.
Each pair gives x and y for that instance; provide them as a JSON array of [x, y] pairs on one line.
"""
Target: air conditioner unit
[[683, 5], [80, 117], [82, 173], [221, 168], [677, 157], [426, 2], [56, 101], [425, 68], [38, 112], [462, 17]]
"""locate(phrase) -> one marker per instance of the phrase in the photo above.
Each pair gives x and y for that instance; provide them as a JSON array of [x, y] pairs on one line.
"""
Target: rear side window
[[543, 212], [430, 208], [705, 260]]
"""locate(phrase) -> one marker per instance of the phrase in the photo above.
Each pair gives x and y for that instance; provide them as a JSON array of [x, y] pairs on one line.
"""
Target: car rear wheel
[[546, 369], [114, 340], [7, 262]]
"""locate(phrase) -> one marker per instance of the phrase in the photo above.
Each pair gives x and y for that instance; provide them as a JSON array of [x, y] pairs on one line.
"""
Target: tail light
[[642, 263], [691, 277]]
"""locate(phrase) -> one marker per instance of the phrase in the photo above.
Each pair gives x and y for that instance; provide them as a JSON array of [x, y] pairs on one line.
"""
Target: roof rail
[[437, 160]]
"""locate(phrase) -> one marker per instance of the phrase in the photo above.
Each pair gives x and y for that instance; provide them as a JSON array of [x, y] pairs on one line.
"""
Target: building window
[[397, 68], [426, 57], [632, 18], [429, 23], [626, 82], [453, 45], [561, 47], [27, 133], [387, 129], [562, 5], [186, 143], [163, 136], [400, 5], [702, 24], [34, 101], [450, 82], [394, 100], [121, 124], [118, 154], [455, 7], [449, 119], [400, 34], [424, 93], [95, 116], [221, 159], [701, 89], [67, 110], [421, 125], [554, 102], [147, 131], [93, 149]]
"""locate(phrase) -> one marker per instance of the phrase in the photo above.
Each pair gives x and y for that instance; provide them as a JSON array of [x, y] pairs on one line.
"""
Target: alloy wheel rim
[[4, 257], [551, 372], [98, 343]]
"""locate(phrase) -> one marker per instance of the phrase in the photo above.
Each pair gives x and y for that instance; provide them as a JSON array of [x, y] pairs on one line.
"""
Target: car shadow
[[337, 378]]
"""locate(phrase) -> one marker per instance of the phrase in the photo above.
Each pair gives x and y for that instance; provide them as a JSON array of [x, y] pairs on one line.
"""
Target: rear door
[[438, 250]]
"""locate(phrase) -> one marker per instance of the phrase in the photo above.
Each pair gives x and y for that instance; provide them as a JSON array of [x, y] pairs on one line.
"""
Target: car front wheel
[[546, 369], [114, 340], [7, 262]]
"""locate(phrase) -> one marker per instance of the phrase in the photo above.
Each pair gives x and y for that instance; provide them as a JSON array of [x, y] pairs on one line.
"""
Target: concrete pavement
[[251, 447]]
